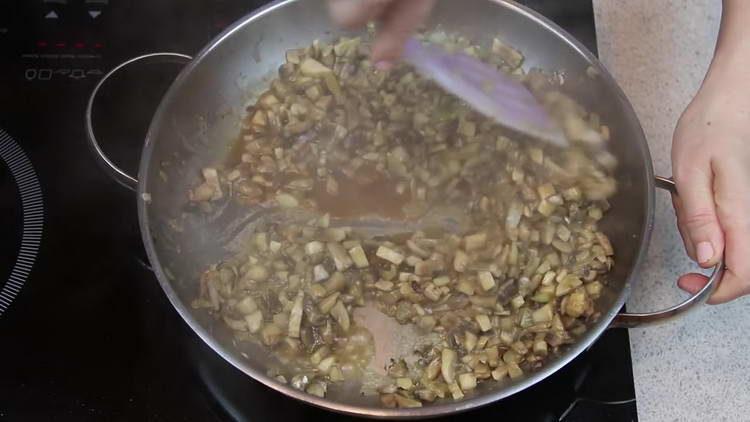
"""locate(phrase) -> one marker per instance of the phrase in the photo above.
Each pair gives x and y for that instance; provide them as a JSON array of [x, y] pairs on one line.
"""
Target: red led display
[[78, 45]]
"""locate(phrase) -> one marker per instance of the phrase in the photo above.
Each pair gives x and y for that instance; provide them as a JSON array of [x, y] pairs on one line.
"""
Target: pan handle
[[109, 166], [630, 320]]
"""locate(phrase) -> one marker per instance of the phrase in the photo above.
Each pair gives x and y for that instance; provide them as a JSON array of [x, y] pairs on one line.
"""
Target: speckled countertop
[[699, 367]]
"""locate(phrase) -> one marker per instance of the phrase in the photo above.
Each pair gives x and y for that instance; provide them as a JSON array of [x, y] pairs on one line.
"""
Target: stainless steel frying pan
[[199, 117]]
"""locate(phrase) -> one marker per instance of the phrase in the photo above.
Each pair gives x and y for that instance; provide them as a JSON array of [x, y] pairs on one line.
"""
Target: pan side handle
[[107, 164], [630, 320]]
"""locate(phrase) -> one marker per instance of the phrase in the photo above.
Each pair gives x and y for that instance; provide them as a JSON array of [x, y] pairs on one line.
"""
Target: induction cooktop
[[85, 331]]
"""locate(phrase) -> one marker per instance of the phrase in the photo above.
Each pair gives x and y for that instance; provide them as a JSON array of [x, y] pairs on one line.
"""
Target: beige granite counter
[[697, 368]]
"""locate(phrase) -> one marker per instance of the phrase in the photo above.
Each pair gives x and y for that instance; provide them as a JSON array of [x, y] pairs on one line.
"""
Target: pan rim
[[441, 409]]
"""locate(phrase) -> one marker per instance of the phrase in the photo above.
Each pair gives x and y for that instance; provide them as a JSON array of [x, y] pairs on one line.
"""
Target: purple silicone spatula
[[489, 91]]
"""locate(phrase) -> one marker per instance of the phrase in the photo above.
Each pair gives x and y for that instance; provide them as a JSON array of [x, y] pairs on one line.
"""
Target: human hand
[[399, 19], [711, 165]]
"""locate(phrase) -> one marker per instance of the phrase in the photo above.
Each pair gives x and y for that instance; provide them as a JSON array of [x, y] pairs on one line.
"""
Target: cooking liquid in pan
[[368, 194]]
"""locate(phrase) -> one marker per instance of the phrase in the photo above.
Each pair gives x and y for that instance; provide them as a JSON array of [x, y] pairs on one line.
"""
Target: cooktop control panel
[[78, 40]]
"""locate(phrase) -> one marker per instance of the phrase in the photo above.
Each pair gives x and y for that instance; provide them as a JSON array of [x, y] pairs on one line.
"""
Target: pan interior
[[199, 119]]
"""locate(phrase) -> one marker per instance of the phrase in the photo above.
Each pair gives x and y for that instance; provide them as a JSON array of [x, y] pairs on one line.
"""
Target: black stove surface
[[88, 334]]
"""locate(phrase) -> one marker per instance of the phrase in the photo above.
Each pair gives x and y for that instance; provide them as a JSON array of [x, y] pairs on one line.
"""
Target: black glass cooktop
[[85, 331]]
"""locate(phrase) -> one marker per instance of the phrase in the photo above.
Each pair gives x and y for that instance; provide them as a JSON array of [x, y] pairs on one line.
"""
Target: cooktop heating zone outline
[[32, 207]]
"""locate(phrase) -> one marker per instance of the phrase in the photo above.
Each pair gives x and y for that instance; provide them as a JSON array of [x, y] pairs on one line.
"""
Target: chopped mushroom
[[320, 273], [254, 321], [246, 306], [447, 361], [358, 257], [327, 303], [295, 315], [311, 67], [341, 258], [341, 316], [467, 381], [210, 190], [389, 255], [486, 280]]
